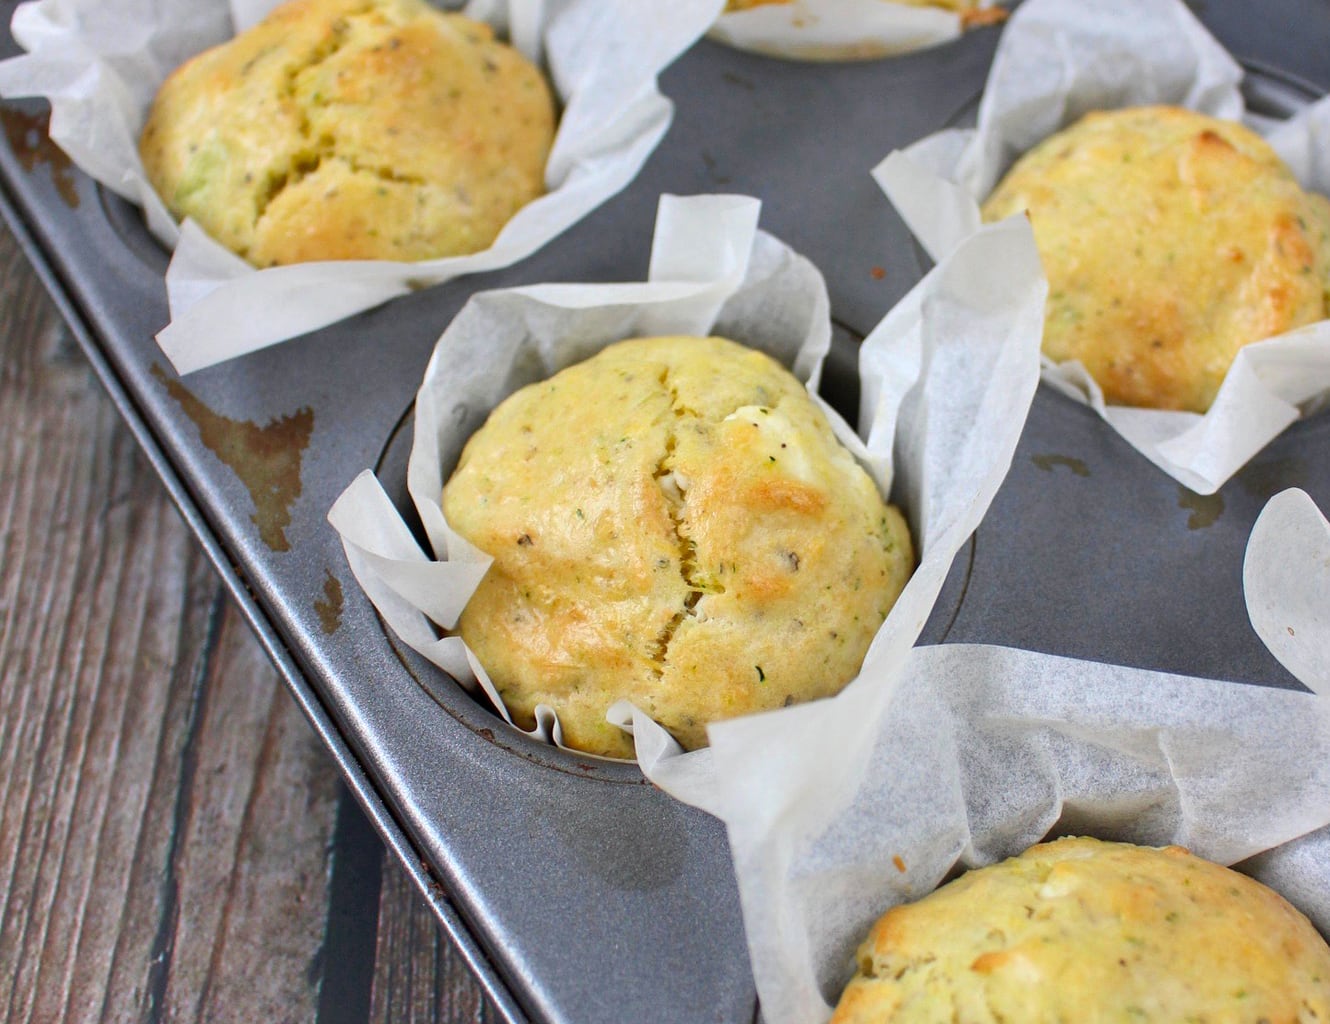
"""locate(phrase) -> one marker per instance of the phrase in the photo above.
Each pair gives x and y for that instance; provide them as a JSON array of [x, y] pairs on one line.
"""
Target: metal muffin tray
[[577, 892]]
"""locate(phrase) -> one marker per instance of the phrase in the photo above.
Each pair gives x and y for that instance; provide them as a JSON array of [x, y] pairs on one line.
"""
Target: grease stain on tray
[[1263, 480], [652, 862], [330, 608], [266, 458], [436, 889], [30, 138], [713, 171], [1048, 463], [1205, 508]]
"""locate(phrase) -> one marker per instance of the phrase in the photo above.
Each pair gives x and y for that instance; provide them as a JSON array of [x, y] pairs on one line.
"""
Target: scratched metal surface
[[596, 898]]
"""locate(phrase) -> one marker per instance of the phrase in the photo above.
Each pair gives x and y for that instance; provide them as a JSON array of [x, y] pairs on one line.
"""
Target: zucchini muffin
[[1170, 239], [1089, 931], [352, 129], [672, 522]]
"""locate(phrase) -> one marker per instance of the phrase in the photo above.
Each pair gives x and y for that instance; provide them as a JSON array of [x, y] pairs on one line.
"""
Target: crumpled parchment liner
[[980, 751], [1286, 579], [947, 381], [1057, 60], [100, 62], [837, 29], [983, 751]]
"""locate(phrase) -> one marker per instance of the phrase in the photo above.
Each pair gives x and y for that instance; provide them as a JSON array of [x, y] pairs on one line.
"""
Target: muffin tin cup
[[580, 893], [602, 63], [1103, 58], [946, 381]]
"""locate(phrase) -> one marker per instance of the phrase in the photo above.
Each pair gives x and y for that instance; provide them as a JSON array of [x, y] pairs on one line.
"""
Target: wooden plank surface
[[416, 970], [175, 844]]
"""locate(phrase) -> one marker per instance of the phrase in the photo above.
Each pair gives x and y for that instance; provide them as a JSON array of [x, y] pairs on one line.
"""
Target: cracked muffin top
[[351, 129], [1084, 930], [672, 522], [1170, 240]]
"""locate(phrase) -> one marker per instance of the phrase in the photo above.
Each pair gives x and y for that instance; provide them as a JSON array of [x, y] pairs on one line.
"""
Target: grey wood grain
[[167, 817], [417, 972], [153, 865]]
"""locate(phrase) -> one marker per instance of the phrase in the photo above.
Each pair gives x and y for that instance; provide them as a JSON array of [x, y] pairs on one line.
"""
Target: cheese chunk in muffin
[[1083, 930], [1170, 240], [352, 129], [672, 522]]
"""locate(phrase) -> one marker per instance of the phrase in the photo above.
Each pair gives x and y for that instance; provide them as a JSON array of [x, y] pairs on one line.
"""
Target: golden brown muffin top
[[1089, 931], [352, 129], [673, 522], [1170, 240]]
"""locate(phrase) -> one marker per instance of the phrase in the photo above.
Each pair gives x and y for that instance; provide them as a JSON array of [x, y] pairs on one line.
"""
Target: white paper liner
[[1286, 578], [838, 29], [947, 380], [980, 751], [1057, 60], [983, 751], [100, 62]]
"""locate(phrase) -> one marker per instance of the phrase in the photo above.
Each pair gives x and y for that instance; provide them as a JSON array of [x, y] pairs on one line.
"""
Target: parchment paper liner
[[100, 62], [838, 29], [981, 751], [1057, 60], [1286, 576], [946, 382]]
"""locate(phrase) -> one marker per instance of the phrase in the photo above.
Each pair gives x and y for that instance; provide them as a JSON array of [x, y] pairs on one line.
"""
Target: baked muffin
[[672, 522], [1083, 930], [352, 129], [1170, 240]]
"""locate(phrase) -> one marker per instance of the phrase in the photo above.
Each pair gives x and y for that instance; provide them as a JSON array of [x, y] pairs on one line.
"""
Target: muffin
[[1083, 930], [1170, 239], [672, 522], [351, 129]]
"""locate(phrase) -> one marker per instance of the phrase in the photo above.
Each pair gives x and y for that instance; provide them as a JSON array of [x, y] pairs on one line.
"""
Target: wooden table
[[175, 844]]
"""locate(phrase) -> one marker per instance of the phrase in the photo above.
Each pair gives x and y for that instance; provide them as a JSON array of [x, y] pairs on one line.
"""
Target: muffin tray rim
[[208, 500]]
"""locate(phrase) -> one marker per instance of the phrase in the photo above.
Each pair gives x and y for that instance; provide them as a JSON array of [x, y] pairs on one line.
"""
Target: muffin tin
[[577, 892]]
